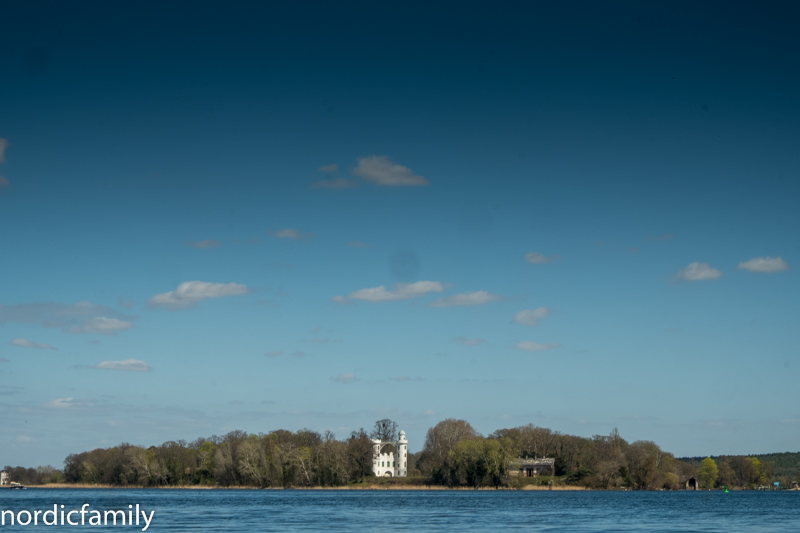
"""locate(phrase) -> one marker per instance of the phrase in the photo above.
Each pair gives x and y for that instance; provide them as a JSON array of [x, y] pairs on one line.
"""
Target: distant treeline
[[454, 454], [762, 468]]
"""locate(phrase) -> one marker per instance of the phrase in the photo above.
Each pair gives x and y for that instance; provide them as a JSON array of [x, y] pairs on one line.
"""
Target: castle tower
[[402, 455]]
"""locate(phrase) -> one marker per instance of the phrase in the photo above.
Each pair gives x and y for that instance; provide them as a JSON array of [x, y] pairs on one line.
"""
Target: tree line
[[454, 454]]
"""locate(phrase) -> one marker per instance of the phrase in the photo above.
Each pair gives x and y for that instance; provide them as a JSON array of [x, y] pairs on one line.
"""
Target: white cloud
[[189, 293], [339, 183], [74, 318], [764, 264], [401, 291], [467, 298], [698, 272], [3, 146], [127, 365], [68, 403], [538, 259], [274, 353], [30, 344], [531, 317], [209, 243], [101, 325], [359, 244], [299, 354], [341, 300], [381, 170], [345, 378], [290, 233], [60, 403], [535, 346], [24, 438], [468, 342], [330, 169]]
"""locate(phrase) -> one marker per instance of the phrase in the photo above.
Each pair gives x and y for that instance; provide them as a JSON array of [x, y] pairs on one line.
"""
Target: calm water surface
[[462, 511]]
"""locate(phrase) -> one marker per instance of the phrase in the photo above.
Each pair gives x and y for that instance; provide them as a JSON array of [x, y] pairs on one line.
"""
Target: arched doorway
[[387, 474]]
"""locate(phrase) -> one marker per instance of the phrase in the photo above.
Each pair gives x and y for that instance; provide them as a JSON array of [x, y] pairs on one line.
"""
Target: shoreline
[[349, 487]]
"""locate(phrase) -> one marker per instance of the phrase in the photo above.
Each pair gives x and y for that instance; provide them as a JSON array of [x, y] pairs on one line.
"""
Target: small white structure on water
[[389, 464], [4, 478]]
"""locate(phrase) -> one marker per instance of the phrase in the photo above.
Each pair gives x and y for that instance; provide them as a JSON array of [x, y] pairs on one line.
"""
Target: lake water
[[458, 511]]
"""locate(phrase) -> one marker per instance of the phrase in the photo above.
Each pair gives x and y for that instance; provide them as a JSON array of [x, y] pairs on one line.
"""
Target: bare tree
[[385, 430]]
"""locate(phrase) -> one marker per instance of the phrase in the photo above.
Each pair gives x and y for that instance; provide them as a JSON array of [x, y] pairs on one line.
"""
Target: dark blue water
[[461, 511]]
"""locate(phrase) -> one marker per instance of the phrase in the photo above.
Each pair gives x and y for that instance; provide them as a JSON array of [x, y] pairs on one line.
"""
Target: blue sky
[[316, 216]]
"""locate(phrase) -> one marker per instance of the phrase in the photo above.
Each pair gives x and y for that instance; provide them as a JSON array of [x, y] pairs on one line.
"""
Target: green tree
[[708, 472]]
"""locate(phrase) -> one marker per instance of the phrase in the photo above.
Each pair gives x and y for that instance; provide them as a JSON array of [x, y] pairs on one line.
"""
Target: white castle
[[387, 464]]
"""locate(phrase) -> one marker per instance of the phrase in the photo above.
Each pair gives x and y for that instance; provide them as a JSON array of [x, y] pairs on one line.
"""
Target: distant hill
[[783, 464]]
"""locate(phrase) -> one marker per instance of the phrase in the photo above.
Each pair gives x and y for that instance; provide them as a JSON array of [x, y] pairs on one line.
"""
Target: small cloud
[[401, 291], [537, 259], [429, 412], [531, 317], [61, 403], [298, 354], [359, 244], [3, 146], [467, 298], [381, 170], [4, 360], [339, 183], [101, 326], [210, 243], [189, 293], [56, 315], [127, 365], [30, 344], [125, 303], [764, 264], [341, 300], [660, 238], [24, 438], [290, 233], [440, 354], [330, 169], [535, 346], [697, 272], [468, 342], [274, 353], [345, 378]]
